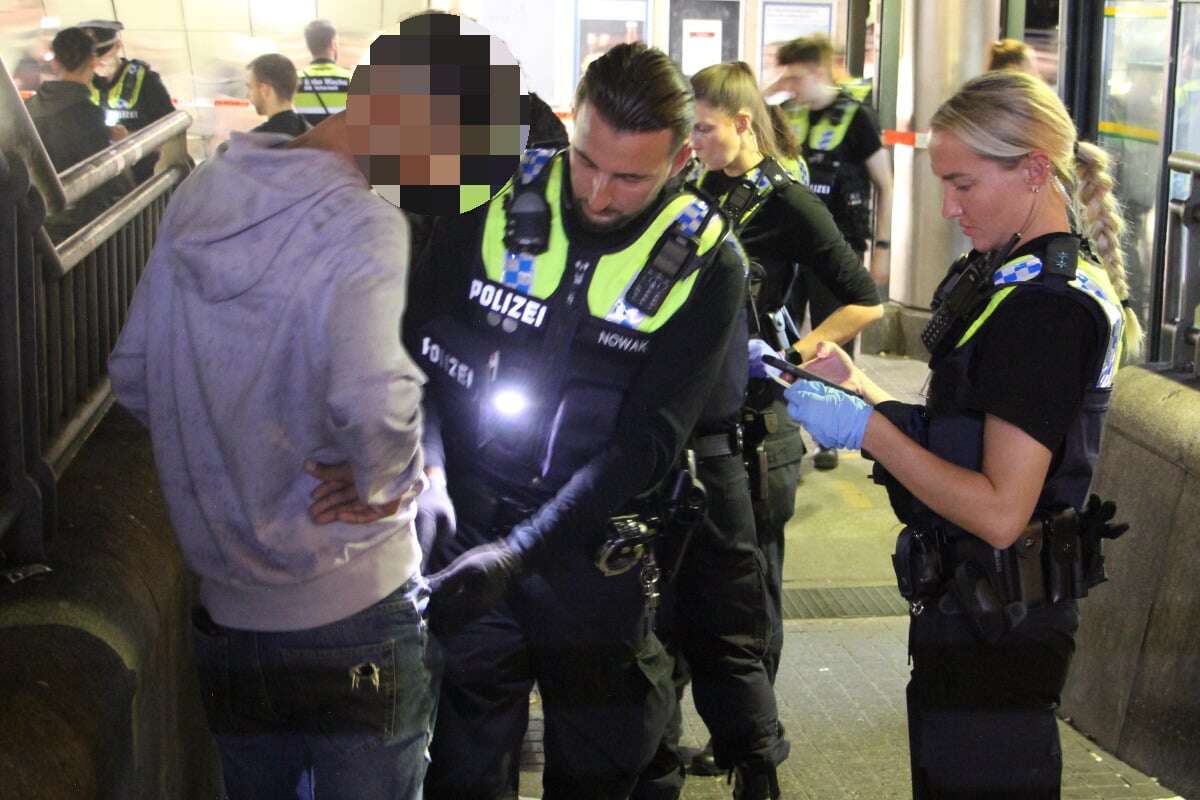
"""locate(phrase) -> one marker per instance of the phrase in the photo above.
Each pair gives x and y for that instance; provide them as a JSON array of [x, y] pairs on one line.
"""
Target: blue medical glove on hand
[[757, 349], [835, 419]]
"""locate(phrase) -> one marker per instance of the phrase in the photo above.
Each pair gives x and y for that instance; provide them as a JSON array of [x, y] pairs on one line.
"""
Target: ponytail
[[1101, 222]]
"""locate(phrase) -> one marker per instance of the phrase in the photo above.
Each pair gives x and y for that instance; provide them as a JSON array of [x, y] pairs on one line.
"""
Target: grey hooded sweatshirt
[[265, 332]]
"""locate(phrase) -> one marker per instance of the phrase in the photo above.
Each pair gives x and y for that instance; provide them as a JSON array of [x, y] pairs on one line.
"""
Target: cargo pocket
[[347, 694]]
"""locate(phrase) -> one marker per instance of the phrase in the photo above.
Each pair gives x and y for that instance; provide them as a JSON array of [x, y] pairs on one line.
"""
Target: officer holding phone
[[991, 475]]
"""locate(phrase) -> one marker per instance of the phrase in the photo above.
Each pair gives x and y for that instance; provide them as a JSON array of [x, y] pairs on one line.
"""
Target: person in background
[[323, 84], [1012, 54], [127, 90], [72, 128], [270, 85], [841, 142]]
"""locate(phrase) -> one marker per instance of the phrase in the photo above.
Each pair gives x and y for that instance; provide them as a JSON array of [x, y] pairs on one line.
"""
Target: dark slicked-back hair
[[278, 72], [318, 35], [72, 47], [638, 88]]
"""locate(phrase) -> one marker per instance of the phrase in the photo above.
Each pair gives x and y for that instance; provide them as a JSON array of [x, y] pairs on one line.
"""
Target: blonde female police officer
[[1027, 333]]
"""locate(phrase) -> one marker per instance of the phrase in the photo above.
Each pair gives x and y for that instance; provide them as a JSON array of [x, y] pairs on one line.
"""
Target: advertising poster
[[782, 22], [701, 44], [604, 24]]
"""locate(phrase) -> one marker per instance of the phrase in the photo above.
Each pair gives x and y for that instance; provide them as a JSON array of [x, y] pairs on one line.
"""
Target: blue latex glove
[[835, 419], [758, 348]]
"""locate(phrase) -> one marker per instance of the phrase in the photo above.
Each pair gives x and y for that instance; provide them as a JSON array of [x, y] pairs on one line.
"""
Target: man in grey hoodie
[[263, 352]]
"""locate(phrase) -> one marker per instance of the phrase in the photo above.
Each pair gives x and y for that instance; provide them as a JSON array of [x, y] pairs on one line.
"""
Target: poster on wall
[[782, 22], [604, 24], [704, 32], [701, 44]]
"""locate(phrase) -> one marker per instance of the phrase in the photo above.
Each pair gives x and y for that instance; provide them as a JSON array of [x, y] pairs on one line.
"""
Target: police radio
[[960, 296]]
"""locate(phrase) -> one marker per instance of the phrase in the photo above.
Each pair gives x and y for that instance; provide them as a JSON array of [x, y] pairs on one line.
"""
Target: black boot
[[703, 762], [755, 782]]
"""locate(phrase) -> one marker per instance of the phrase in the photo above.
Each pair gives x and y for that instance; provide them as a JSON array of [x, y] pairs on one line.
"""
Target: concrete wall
[[1133, 685], [99, 697]]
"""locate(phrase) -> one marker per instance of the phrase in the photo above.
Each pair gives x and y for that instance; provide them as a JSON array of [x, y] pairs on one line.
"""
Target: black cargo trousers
[[716, 618]]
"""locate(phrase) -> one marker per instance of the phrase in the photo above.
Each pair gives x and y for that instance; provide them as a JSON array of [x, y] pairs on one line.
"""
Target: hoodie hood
[[211, 227], [54, 97]]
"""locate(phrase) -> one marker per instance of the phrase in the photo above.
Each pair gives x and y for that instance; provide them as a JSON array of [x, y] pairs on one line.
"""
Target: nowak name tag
[[507, 304]]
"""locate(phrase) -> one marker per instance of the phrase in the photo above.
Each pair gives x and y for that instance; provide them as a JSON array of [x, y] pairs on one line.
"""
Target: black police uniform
[[791, 235], [838, 174], [981, 699], [620, 408], [135, 97]]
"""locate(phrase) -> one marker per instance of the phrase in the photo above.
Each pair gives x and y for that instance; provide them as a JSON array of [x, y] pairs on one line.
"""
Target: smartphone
[[790, 369]]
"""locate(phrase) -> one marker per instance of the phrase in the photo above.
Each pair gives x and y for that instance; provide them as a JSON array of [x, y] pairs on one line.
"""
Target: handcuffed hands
[[472, 584], [835, 419], [757, 348]]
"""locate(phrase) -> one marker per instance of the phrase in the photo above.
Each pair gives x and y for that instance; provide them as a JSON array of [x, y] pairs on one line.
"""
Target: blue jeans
[[340, 711]]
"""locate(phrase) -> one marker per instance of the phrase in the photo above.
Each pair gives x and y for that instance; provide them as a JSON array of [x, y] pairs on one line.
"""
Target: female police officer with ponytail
[[785, 229], [1027, 332]]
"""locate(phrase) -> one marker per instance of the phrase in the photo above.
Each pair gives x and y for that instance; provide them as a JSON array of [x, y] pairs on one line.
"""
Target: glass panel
[[1131, 120], [1041, 34], [1187, 94]]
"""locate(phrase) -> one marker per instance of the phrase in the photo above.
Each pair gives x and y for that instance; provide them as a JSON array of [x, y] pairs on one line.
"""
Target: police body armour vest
[[322, 89], [537, 363], [955, 429], [119, 101], [842, 184]]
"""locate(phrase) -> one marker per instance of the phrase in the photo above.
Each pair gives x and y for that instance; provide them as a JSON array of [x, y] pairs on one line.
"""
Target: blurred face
[[616, 175], [989, 201], [804, 81], [106, 65], [715, 139]]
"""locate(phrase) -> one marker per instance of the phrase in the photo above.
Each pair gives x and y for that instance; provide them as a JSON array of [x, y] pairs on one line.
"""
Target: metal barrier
[[1181, 295], [62, 308]]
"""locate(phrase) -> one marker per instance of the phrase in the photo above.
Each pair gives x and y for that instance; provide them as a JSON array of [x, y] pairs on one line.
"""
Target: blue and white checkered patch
[[1116, 326], [1018, 270], [533, 162], [689, 221], [825, 139]]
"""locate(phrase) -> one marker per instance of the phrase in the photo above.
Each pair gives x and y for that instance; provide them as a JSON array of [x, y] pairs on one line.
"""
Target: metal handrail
[[18, 135], [84, 241], [1182, 161], [88, 175]]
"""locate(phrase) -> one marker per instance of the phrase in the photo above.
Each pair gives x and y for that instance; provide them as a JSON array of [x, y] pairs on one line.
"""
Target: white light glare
[[509, 402]]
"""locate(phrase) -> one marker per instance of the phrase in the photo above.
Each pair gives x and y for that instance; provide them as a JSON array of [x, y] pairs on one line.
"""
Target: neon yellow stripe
[[987, 312], [1122, 10], [1134, 132]]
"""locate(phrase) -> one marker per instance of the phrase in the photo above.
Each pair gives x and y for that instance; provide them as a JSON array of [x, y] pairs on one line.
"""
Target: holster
[[757, 425]]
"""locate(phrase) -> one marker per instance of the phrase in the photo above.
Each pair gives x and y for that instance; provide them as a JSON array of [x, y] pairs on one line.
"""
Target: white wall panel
[[166, 53], [274, 16], [149, 15], [216, 15], [72, 12], [361, 16], [396, 10]]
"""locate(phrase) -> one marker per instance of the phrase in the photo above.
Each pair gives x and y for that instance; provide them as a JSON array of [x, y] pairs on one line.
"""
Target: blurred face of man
[[616, 175], [804, 81]]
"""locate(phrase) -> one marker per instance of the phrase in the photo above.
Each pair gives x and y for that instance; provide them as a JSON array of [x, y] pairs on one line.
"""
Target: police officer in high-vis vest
[[323, 84], [573, 331], [840, 140], [991, 475], [129, 92]]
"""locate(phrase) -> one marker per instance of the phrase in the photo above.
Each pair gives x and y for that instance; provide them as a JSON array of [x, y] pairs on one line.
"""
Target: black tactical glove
[[1096, 520], [472, 584]]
